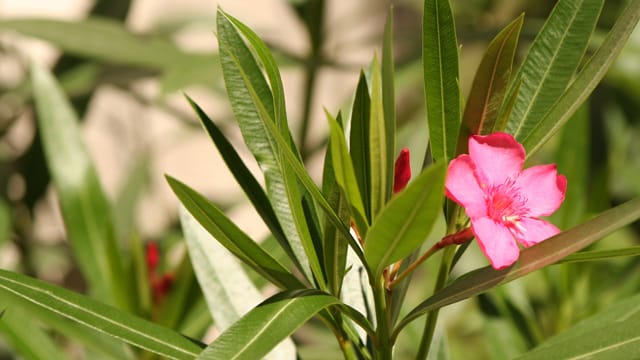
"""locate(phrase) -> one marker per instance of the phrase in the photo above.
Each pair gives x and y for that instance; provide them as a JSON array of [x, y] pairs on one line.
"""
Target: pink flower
[[503, 201]]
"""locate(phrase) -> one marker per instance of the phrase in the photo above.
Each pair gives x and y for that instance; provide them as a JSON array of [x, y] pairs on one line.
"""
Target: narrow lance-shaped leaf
[[252, 103], [359, 142], [551, 62], [25, 336], [335, 244], [85, 208], [262, 328], [244, 178], [389, 99], [586, 81], [611, 334], [97, 316], [344, 173], [226, 286], [232, 238], [489, 85], [406, 221], [531, 259], [377, 144], [440, 62]]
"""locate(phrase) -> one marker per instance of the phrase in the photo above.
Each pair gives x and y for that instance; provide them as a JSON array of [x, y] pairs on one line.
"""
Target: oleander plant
[[483, 228]]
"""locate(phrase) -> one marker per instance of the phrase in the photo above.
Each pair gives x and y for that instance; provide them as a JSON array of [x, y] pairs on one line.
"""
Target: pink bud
[[402, 171]]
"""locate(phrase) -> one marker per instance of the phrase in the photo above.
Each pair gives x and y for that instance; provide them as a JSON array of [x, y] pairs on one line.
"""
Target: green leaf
[[389, 99], [489, 85], [378, 160], [26, 337], [244, 178], [601, 255], [551, 61], [253, 105], [5, 222], [584, 83], [573, 162], [125, 206], [359, 142], [406, 221], [440, 62], [226, 286], [85, 208], [107, 40], [262, 328], [100, 317], [97, 342], [533, 258], [335, 245], [610, 334], [344, 173], [232, 238]]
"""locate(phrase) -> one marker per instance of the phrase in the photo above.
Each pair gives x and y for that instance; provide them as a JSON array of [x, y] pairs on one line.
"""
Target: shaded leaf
[[440, 63], [389, 99], [601, 255], [610, 334], [25, 337], [100, 317], [489, 85], [262, 328], [406, 221], [359, 142]]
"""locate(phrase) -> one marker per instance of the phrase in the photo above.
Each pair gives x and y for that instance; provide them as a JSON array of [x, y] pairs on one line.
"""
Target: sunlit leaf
[[100, 317], [85, 208], [551, 61], [231, 237], [244, 178], [378, 160], [584, 83], [253, 105], [407, 220], [440, 62], [226, 287], [262, 328]]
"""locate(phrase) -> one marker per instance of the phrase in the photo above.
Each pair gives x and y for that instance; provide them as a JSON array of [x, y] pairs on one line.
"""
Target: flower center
[[506, 204]]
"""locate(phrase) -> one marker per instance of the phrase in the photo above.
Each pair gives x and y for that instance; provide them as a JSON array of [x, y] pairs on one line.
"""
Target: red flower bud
[[402, 171]]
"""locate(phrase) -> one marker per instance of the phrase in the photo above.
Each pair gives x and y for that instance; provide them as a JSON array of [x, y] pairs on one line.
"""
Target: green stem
[[383, 347], [443, 275]]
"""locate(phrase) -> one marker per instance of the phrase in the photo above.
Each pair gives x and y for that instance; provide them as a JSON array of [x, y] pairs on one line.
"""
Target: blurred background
[[126, 64]]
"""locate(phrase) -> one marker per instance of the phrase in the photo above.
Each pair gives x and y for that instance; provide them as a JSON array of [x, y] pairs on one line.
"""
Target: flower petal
[[534, 231], [462, 186], [496, 242], [497, 156], [543, 188]]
